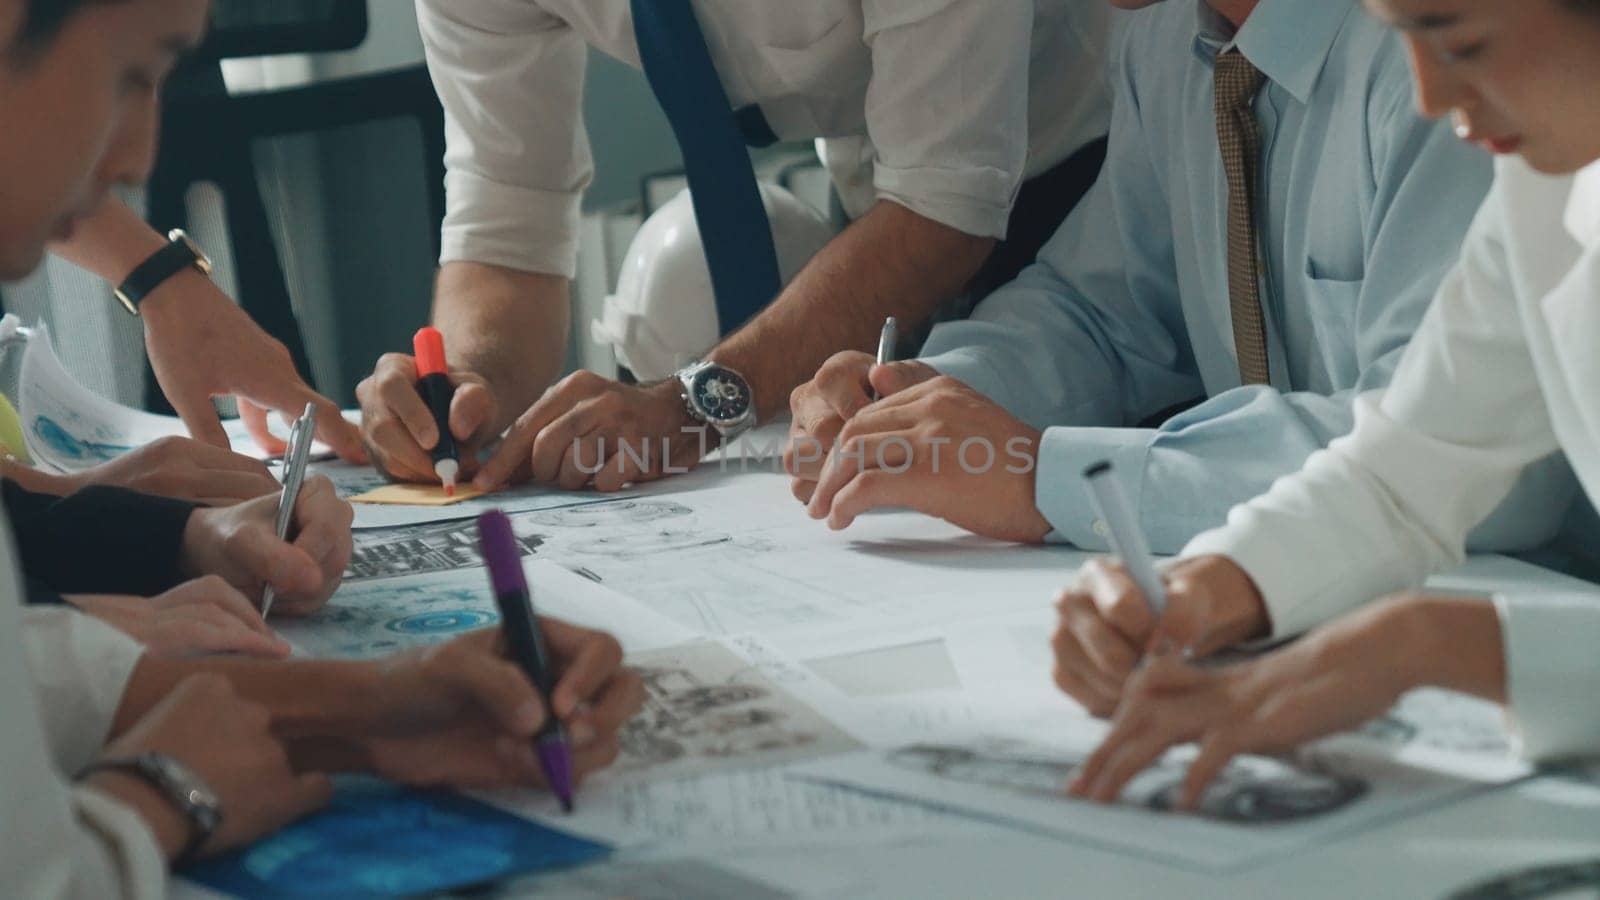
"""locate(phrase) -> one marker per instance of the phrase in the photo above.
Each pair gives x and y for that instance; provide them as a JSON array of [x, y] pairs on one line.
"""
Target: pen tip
[[449, 489]]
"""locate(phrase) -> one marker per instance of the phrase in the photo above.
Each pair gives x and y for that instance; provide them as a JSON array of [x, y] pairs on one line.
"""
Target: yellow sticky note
[[416, 495]]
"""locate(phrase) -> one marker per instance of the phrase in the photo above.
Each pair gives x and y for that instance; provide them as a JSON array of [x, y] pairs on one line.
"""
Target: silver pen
[[886, 343], [295, 459], [1127, 540]]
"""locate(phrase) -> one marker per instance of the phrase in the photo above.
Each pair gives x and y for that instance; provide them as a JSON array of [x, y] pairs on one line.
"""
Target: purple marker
[[526, 643]]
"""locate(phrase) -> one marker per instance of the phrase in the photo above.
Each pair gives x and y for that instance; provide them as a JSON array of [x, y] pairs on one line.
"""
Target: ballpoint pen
[[295, 460], [886, 343], [1127, 540]]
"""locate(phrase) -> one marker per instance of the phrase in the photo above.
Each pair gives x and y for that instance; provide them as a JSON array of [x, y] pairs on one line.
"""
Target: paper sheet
[[379, 617], [418, 495], [668, 879], [69, 427]]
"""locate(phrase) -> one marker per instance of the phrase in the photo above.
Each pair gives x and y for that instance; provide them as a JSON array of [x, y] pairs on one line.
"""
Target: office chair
[[208, 134]]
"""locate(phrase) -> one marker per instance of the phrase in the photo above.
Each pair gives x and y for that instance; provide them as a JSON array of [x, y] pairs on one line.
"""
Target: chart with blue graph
[[381, 840], [371, 619]]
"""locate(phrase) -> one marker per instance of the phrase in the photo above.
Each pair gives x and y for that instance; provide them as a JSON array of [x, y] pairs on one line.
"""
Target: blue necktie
[[727, 204]]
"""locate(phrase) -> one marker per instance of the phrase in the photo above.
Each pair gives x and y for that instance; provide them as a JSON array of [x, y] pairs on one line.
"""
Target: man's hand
[[399, 428], [1330, 681], [820, 407], [228, 742], [1106, 628], [940, 448], [202, 345], [206, 615], [461, 714], [589, 429], [182, 468], [240, 544]]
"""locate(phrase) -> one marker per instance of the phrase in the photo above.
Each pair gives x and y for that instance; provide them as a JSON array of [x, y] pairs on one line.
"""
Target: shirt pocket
[[1331, 307]]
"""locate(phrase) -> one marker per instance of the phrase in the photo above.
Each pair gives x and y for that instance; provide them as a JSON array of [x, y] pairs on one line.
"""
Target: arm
[[1184, 476], [201, 344], [136, 539], [1427, 460], [891, 262]]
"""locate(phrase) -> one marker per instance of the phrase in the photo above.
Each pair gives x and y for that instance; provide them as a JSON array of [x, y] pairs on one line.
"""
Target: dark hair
[[42, 20]]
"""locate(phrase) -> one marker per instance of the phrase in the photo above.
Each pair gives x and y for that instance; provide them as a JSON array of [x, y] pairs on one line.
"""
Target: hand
[[943, 449], [202, 345], [399, 428], [586, 422], [462, 715], [228, 742], [240, 544], [206, 615], [183, 468], [1331, 681], [821, 406], [1106, 626]]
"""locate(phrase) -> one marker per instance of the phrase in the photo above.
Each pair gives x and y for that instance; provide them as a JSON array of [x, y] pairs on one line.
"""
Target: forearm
[[892, 262], [330, 701], [1455, 643], [111, 243], [507, 326]]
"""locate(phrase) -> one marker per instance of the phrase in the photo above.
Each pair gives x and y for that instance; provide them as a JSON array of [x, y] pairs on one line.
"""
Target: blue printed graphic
[[66, 444], [443, 621]]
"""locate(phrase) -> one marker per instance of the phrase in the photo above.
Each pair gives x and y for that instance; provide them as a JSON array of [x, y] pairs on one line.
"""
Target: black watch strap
[[180, 253], [180, 786]]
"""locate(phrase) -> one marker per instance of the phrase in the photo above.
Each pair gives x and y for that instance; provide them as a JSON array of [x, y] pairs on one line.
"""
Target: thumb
[[1181, 630], [200, 417], [896, 377], [501, 689], [289, 569]]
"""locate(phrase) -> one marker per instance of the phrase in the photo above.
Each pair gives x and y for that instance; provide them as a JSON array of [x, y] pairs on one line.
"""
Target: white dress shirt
[[950, 103], [62, 675], [1503, 371]]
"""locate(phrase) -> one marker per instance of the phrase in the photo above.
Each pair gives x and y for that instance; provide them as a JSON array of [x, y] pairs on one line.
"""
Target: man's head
[[1519, 77], [79, 102]]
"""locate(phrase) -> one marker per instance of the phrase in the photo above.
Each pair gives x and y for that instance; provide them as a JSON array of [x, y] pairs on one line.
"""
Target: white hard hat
[[664, 315]]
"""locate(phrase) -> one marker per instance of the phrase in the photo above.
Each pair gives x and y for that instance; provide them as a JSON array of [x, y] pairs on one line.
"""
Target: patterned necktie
[[734, 231], [1239, 136]]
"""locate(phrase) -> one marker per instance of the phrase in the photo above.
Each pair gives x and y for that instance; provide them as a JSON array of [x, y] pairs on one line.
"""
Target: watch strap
[[178, 784], [179, 254]]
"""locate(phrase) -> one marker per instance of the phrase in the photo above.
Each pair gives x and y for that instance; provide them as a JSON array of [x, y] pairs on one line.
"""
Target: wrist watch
[[181, 252], [718, 396], [178, 784]]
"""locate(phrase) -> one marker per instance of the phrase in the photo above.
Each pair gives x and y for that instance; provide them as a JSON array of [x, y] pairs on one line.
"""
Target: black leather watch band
[[175, 782], [179, 254]]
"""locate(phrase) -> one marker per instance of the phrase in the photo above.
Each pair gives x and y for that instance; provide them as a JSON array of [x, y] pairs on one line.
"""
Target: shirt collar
[[1583, 207], [1288, 40]]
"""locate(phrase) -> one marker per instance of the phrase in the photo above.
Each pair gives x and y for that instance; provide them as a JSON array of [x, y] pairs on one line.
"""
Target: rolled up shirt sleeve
[[947, 108], [511, 78]]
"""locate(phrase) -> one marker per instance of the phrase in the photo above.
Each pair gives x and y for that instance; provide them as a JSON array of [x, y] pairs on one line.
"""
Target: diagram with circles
[[367, 620]]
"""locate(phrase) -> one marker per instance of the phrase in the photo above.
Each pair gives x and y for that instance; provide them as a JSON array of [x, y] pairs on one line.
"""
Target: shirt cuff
[[1551, 676], [1059, 489], [512, 227], [1289, 610], [973, 201]]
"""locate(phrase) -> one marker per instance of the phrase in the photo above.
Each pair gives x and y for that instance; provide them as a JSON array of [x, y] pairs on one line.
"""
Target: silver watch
[[718, 396], [178, 783]]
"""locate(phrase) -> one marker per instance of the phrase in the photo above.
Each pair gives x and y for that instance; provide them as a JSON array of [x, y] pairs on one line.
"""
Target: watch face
[[721, 395]]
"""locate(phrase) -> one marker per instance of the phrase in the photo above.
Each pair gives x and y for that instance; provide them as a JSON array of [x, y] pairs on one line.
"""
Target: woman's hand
[[1332, 680], [206, 615]]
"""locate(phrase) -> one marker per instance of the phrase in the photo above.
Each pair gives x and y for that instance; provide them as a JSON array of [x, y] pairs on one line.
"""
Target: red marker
[[433, 383]]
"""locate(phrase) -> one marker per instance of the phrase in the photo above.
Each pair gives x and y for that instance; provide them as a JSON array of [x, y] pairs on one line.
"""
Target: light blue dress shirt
[[1363, 209]]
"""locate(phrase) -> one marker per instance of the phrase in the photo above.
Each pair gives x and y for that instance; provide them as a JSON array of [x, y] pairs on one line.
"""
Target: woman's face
[[78, 115], [1517, 76]]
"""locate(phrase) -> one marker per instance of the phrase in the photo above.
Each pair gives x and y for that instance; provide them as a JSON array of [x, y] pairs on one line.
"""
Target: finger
[[268, 560], [321, 518], [878, 489], [593, 758], [900, 376], [554, 441], [200, 417], [501, 688], [1080, 682], [1119, 600], [621, 699], [1129, 759], [587, 449], [592, 659], [230, 601], [842, 383], [395, 388], [1217, 749], [216, 632], [395, 452], [340, 434], [233, 487], [472, 409], [310, 793], [1105, 649], [516, 450], [803, 489], [255, 422]]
